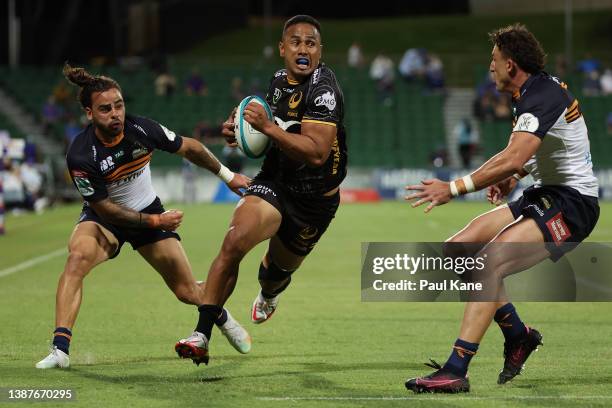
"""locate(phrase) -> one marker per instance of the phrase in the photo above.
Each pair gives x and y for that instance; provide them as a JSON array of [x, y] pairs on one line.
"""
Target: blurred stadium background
[[418, 97]]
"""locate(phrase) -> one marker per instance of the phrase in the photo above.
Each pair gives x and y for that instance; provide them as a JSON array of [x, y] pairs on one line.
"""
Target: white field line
[[32, 262], [440, 398]]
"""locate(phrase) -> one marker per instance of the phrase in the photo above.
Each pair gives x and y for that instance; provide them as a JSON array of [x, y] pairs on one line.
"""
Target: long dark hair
[[88, 83]]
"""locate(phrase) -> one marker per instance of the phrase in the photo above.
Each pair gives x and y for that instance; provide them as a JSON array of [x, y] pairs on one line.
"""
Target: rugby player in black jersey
[[295, 196], [109, 165], [549, 140]]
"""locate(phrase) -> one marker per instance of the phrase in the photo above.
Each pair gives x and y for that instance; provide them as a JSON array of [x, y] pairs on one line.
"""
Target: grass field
[[323, 347]]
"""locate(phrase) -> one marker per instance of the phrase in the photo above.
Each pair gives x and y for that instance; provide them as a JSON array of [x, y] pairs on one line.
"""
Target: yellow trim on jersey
[[318, 121], [292, 82]]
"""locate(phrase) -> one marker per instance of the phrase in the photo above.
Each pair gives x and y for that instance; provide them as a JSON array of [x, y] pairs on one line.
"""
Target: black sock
[[509, 322], [221, 319], [208, 315], [61, 339], [277, 291], [460, 357]]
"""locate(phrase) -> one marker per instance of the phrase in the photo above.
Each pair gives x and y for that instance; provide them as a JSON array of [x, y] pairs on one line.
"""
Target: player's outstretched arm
[[199, 155], [520, 149], [124, 216], [312, 146]]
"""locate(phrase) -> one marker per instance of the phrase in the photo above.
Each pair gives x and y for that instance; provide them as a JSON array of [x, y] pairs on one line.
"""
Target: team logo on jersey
[[277, 95], [139, 151], [546, 201], [328, 99], [526, 123], [169, 134], [295, 100], [107, 163], [81, 180]]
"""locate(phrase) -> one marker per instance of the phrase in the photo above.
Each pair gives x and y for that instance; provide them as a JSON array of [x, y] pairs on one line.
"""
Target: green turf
[[322, 342]]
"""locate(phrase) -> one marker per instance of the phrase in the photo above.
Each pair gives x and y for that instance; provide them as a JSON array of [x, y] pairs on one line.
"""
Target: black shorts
[[137, 237], [564, 216], [305, 219]]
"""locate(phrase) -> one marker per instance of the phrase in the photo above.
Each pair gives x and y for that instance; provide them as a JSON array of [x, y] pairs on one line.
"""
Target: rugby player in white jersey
[[549, 140], [109, 165]]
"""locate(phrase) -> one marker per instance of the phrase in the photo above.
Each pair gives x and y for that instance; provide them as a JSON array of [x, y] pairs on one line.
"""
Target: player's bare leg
[[254, 221], [89, 245], [478, 315], [275, 272], [169, 259]]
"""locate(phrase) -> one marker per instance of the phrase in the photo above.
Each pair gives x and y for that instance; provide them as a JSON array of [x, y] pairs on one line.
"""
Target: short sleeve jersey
[[119, 171], [545, 108], [318, 99]]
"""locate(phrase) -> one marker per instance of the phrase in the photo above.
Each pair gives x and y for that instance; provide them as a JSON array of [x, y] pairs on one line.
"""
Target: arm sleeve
[[87, 179], [162, 137], [324, 103], [538, 114]]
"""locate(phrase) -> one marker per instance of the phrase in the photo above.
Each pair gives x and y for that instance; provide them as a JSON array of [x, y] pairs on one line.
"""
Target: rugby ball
[[252, 142]]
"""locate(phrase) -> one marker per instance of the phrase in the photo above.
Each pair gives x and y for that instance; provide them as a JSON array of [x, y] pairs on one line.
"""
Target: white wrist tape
[[469, 184], [453, 188], [225, 174]]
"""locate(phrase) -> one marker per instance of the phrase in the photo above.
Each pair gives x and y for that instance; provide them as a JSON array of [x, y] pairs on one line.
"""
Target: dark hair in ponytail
[[88, 83]]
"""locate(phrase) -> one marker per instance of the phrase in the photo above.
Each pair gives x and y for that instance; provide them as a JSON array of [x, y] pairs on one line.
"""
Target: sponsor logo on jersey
[[169, 134], [81, 180], [277, 95], [537, 209], [315, 75], [139, 151], [328, 99], [119, 154], [107, 164], [526, 123], [279, 73], [288, 90], [95, 152], [295, 100], [558, 229]]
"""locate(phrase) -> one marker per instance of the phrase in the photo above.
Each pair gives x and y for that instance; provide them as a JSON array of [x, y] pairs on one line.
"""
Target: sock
[[61, 339], [509, 322], [220, 321], [208, 315], [460, 357], [277, 291]]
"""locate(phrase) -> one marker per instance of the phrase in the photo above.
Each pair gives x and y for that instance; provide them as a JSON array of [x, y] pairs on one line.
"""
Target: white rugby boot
[[263, 308], [194, 347], [237, 336], [56, 359]]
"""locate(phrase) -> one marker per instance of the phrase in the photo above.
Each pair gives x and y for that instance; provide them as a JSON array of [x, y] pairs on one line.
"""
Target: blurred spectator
[[355, 57], [62, 93], [605, 82], [490, 104], [236, 90], [195, 84], [465, 138], [165, 84], [591, 85], [609, 123], [71, 130], [268, 52], [412, 64], [434, 73], [588, 64], [382, 71], [51, 114]]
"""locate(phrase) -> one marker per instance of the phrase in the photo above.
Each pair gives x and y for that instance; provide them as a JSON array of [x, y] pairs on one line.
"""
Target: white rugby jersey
[[121, 170], [545, 108]]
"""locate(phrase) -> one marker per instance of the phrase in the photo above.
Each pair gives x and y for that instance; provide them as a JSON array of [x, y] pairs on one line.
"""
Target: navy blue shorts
[[137, 237], [305, 219], [564, 216]]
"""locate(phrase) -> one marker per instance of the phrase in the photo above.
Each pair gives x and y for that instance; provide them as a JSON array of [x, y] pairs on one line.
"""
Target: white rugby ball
[[252, 142]]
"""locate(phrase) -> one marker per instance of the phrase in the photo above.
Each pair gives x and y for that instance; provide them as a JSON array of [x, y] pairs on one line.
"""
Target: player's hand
[[255, 114], [170, 220], [227, 129], [240, 181], [497, 192], [433, 191]]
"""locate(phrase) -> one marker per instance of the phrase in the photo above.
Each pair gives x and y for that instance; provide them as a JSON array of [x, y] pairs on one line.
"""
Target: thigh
[[93, 242], [485, 227], [168, 258]]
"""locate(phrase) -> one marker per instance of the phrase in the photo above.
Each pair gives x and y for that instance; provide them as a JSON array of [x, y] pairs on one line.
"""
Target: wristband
[[225, 174], [469, 184], [453, 188], [153, 221], [462, 186]]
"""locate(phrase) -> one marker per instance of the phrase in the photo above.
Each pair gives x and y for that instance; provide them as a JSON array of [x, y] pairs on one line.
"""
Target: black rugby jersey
[[318, 99], [121, 170], [544, 107]]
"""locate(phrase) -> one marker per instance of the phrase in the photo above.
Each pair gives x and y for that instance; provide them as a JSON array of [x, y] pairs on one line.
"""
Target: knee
[[79, 263], [235, 245]]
